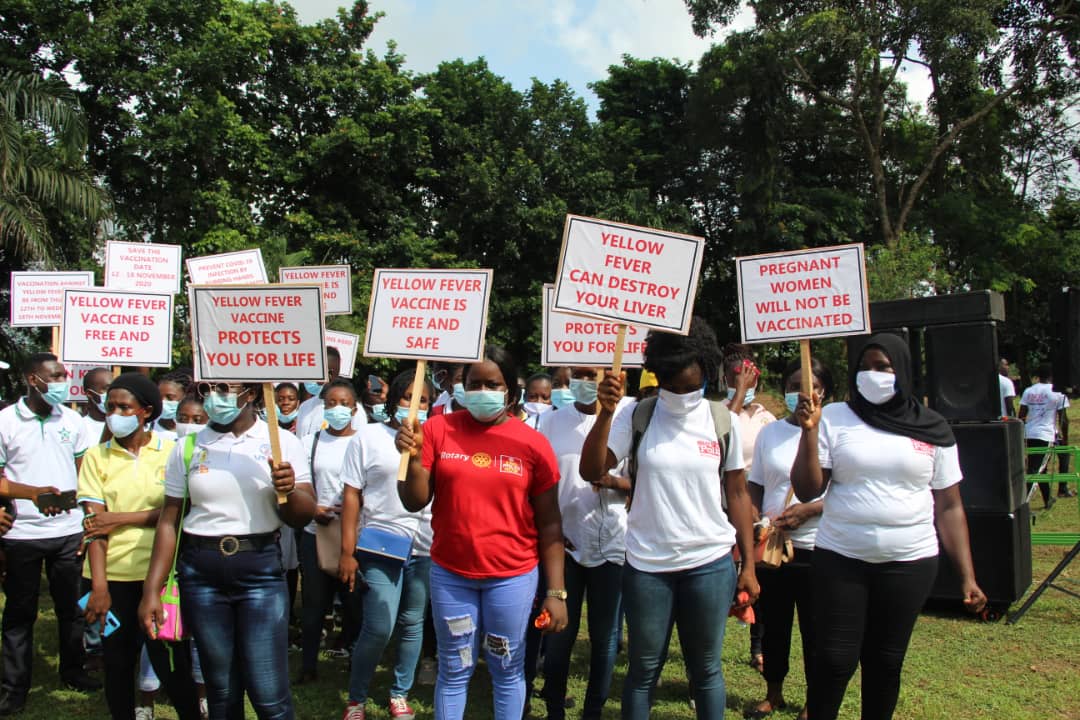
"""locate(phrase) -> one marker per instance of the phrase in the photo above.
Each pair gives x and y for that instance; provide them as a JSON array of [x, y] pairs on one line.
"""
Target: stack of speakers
[[954, 350]]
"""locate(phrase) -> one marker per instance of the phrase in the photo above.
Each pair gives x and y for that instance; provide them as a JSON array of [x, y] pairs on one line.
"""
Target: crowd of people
[[526, 503]]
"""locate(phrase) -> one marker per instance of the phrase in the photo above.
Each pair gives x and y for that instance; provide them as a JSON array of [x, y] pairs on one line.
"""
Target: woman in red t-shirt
[[495, 516]]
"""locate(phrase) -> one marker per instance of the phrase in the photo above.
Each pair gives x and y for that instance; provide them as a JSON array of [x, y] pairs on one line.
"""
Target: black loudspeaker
[[961, 371], [855, 344], [992, 459], [1001, 551], [938, 310], [1065, 316]]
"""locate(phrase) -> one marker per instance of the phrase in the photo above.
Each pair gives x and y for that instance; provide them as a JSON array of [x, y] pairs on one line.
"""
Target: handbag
[[384, 544], [772, 546], [327, 537], [172, 625]]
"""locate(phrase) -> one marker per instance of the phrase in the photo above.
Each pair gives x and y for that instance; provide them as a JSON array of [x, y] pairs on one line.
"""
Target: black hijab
[[903, 414]]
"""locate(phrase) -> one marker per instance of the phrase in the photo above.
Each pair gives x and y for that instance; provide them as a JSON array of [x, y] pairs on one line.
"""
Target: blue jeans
[[463, 609], [396, 596], [691, 599], [603, 585], [237, 608], [317, 593]]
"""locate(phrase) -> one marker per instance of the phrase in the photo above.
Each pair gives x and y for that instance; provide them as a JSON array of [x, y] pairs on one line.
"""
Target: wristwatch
[[557, 594]]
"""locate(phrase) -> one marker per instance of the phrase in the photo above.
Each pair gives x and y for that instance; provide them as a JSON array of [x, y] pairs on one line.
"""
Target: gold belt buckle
[[229, 546]]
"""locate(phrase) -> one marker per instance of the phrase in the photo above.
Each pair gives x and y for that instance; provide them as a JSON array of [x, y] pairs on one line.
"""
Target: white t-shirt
[[94, 429], [1043, 405], [774, 454], [329, 462], [42, 452], [1007, 389], [594, 522], [163, 433], [371, 466], [752, 418], [879, 506], [310, 417], [677, 521], [229, 481]]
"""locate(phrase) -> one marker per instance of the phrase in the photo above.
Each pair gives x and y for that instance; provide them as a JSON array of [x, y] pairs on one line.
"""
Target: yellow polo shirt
[[123, 482]]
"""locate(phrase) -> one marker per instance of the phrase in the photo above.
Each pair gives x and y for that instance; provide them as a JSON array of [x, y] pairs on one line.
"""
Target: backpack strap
[[314, 447], [722, 423], [639, 422]]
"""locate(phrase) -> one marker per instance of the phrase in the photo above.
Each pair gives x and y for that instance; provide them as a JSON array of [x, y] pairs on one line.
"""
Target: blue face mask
[[222, 409], [378, 412], [749, 398], [791, 399], [57, 392], [313, 388], [561, 397], [402, 414], [485, 405], [584, 391], [338, 417], [169, 408], [287, 417], [459, 394], [122, 425]]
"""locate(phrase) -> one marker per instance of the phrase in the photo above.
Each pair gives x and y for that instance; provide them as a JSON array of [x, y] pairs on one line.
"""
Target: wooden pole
[[116, 371], [414, 408], [807, 374], [275, 437], [620, 342], [54, 346]]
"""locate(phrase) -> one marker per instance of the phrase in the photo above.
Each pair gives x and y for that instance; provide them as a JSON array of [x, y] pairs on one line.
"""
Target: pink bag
[[172, 626]]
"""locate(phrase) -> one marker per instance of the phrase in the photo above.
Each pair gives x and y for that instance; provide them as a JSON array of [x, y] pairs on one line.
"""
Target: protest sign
[[336, 283], [116, 327], [244, 267], [37, 298], [808, 294], [348, 344], [257, 333], [573, 340], [146, 267], [77, 372], [428, 314], [627, 274]]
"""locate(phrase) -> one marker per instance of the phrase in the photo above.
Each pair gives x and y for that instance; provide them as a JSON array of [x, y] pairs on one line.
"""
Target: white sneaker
[[146, 712], [204, 709]]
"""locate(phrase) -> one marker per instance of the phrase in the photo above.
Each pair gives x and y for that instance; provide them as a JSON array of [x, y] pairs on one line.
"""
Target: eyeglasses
[[206, 388]]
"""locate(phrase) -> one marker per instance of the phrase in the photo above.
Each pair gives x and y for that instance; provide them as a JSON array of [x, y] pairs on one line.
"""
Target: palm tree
[[42, 165]]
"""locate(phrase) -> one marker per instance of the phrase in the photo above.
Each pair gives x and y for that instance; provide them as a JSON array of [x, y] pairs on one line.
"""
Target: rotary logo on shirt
[[481, 460], [710, 448], [510, 465]]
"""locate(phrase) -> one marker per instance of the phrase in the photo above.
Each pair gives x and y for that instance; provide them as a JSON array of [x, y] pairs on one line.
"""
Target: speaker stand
[[1048, 583]]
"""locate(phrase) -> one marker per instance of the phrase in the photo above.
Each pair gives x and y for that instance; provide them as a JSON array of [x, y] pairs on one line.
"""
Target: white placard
[[802, 295], [37, 298], [429, 314], [336, 282], [146, 267], [258, 333], [628, 274], [243, 267], [78, 372], [576, 341], [348, 345], [116, 327]]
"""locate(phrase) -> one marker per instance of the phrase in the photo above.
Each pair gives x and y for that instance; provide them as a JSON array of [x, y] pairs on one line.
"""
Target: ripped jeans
[[469, 614]]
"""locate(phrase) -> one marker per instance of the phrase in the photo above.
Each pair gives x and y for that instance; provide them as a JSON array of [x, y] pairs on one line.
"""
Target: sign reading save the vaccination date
[[244, 267], [146, 267], [116, 327], [428, 314], [258, 333], [336, 282], [37, 298], [627, 274], [803, 295], [576, 341], [347, 344]]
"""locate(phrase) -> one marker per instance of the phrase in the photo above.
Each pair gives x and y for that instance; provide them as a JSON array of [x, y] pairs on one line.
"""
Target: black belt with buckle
[[229, 545]]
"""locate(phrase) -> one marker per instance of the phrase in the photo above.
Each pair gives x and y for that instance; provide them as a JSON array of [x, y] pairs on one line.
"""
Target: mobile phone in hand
[[63, 501]]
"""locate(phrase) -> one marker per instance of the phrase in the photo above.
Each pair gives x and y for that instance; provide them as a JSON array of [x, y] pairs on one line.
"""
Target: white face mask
[[185, 429], [877, 387], [680, 404], [536, 408]]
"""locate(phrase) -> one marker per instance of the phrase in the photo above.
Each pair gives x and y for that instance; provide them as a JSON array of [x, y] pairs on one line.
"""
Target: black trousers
[[122, 649], [863, 614], [22, 586], [1034, 462], [783, 591]]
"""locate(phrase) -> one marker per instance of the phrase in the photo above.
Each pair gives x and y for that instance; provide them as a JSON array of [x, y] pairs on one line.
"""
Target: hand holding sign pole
[[427, 315], [275, 432]]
